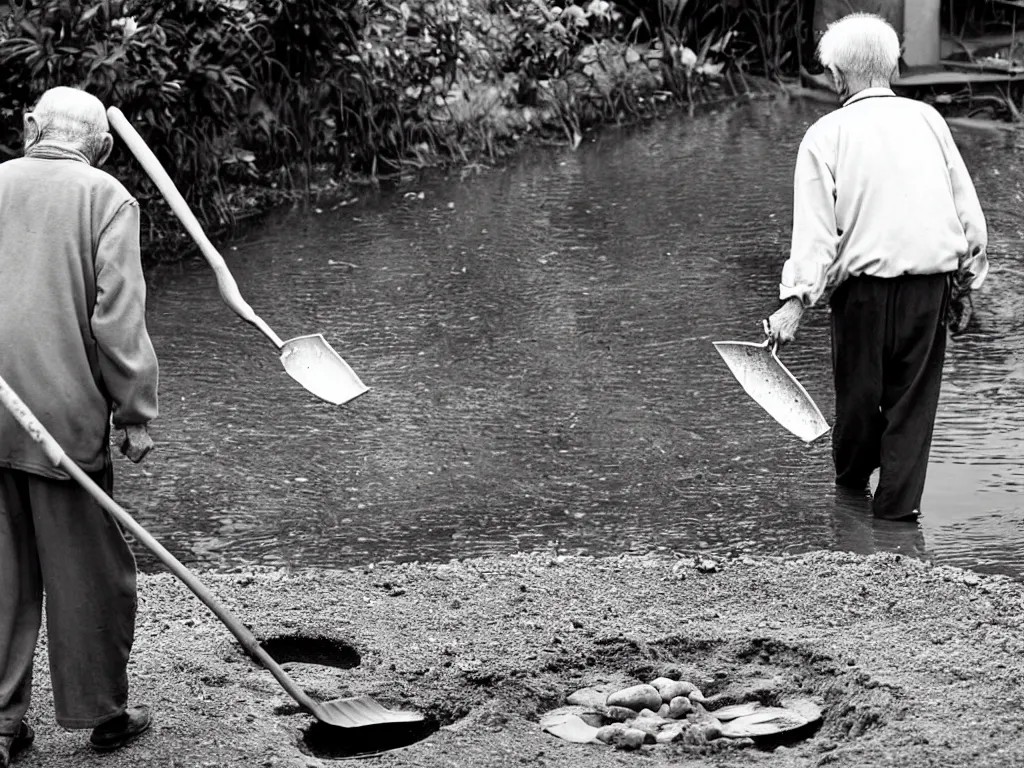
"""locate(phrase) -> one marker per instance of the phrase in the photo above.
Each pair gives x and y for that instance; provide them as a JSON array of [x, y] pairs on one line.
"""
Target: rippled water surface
[[538, 343]]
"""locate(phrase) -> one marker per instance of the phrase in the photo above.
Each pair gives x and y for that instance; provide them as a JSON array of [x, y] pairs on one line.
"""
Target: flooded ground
[[538, 344]]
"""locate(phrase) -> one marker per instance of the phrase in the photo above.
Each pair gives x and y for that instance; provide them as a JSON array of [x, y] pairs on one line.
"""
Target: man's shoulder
[[895, 107], [822, 128], [105, 182], [916, 105], [96, 179]]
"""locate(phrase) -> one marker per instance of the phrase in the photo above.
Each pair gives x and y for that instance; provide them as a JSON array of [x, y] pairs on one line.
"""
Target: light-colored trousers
[[55, 537]]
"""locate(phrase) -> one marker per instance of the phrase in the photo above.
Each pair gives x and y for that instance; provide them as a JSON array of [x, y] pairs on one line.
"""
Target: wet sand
[[913, 664]]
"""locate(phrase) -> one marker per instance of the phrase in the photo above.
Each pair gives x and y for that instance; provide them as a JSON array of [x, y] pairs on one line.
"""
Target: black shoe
[[12, 745], [122, 729]]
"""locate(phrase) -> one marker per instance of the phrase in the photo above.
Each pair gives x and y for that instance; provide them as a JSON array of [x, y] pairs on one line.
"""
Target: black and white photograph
[[494, 383]]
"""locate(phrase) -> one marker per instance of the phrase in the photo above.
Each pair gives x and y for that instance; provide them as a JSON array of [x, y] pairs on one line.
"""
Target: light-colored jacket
[[73, 338], [880, 189]]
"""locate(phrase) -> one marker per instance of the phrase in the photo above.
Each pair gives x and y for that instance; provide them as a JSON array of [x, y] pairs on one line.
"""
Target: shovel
[[763, 376], [310, 360], [344, 713]]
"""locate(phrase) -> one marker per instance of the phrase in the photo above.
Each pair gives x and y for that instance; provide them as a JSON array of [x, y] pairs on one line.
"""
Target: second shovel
[[310, 360]]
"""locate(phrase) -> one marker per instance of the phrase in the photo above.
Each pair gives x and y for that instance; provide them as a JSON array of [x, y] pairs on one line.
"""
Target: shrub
[[229, 92]]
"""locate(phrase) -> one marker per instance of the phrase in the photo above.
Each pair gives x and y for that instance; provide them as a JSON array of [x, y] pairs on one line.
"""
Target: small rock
[[670, 689], [629, 739], [727, 743], [648, 724], [693, 734], [594, 696], [670, 733], [710, 731], [607, 733], [680, 706], [707, 566], [696, 696], [618, 714], [709, 726], [659, 683], [636, 697], [664, 710]]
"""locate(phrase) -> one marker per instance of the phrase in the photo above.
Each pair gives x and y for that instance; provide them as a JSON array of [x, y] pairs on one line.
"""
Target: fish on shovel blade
[[763, 376]]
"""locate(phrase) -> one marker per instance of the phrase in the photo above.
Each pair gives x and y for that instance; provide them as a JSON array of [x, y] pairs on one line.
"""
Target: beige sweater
[[881, 189], [73, 338]]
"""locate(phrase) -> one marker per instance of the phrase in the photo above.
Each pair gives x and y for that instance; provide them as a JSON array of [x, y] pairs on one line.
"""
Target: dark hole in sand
[[328, 742], [325, 651]]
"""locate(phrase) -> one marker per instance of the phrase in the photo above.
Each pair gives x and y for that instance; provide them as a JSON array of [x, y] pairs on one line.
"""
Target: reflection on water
[[538, 345]]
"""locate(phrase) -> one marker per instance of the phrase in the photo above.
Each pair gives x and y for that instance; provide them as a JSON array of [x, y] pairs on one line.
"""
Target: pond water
[[538, 343]]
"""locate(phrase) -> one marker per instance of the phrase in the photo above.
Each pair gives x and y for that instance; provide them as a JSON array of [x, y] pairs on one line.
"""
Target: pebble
[[619, 714], [680, 706], [648, 724], [709, 725], [670, 733], [636, 697], [608, 732], [670, 689], [591, 697], [629, 739], [696, 696]]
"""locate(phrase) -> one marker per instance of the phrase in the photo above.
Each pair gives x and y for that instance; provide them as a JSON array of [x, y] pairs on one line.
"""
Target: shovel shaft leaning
[[225, 280], [59, 458], [242, 633]]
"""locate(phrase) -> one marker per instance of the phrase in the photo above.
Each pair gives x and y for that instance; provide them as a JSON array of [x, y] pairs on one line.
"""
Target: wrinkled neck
[[52, 150]]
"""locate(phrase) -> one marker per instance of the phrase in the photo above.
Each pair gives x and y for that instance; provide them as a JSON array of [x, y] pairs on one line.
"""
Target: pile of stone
[[665, 711]]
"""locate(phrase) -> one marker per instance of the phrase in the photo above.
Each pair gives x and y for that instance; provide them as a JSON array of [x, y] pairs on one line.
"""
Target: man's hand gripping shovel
[[763, 376]]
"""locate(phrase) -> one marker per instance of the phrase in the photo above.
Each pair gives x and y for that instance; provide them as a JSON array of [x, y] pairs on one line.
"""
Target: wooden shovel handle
[[56, 455], [225, 280]]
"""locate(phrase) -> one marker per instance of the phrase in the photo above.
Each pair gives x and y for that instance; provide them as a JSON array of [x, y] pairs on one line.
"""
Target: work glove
[[961, 307], [136, 443], [958, 315]]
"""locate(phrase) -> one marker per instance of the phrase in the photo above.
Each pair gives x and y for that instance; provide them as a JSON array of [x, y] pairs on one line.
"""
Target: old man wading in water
[[73, 344], [886, 217]]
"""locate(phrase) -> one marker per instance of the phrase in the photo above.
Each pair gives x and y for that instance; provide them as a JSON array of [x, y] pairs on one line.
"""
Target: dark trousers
[[888, 347], [54, 536]]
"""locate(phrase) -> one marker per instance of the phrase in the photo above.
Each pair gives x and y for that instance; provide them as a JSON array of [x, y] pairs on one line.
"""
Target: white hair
[[861, 45], [71, 117]]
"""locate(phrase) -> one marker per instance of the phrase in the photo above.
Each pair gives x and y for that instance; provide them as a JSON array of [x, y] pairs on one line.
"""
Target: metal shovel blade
[[763, 376], [312, 362], [361, 711]]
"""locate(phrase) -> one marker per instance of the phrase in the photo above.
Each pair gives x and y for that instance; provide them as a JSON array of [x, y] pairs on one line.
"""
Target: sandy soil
[[913, 664]]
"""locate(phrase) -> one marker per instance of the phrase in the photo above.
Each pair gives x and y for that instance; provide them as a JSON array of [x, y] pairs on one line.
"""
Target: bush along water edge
[[249, 103]]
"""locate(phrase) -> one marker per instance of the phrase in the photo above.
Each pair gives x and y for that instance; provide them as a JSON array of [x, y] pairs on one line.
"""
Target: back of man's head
[[861, 46], [70, 118]]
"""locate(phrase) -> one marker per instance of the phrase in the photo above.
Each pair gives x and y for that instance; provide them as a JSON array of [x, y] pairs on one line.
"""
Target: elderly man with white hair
[[886, 220], [74, 345]]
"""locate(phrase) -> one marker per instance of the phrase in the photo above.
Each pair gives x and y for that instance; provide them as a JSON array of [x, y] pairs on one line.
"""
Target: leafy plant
[[250, 93]]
